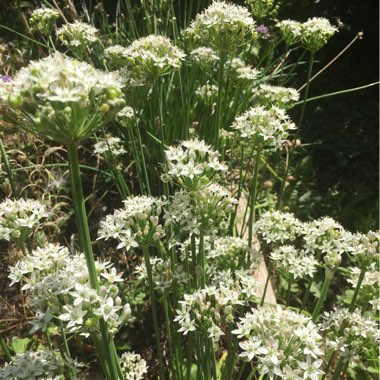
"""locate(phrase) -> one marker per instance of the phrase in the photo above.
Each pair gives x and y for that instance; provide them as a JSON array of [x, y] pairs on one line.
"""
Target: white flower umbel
[[44, 20], [19, 217], [223, 26], [349, 332], [279, 227], [204, 56], [136, 224], [230, 253], [261, 8], [278, 340], [207, 310], [109, 145], [133, 366], [58, 287], [78, 36], [165, 275], [264, 127], [41, 364], [116, 56], [316, 32], [64, 100], [192, 164], [298, 263], [154, 56], [237, 69], [204, 211], [282, 97], [291, 31]]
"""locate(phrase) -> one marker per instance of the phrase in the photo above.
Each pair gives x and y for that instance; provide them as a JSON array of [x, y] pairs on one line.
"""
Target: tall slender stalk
[[154, 309], [358, 285], [113, 364], [8, 169], [328, 277], [218, 120]]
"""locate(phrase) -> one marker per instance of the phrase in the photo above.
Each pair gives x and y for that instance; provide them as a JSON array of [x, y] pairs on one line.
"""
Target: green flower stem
[[218, 124], [169, 336], [337, 93], [309, 71], [202, 259], [154, 309], [326, 284], [338, 369], [161, 115], [8, 169], [289, 292], [253, 196], [241, 371], [358, 285], [70, 371], [86, 246]]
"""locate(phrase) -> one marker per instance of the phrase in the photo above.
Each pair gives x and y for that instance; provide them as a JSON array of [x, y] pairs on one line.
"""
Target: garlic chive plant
[[181, 114], [65, 100]]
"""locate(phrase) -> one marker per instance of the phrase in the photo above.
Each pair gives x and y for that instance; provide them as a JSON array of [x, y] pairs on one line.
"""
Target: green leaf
[[20, 345]]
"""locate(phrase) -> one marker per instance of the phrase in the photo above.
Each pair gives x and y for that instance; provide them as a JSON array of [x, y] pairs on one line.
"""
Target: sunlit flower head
[[136, 224], [223, 26], [78, 36], [265, 127], [316, 32], [282, 97], [291, 31], [62, 99], [154, 56], [44, 20], [19, 217]]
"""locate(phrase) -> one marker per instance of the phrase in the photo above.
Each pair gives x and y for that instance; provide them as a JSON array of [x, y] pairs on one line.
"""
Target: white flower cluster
[[58, 287], [291, 31], [44, 20], [19, 217], [282, 97], [223, 26], [371, 277], [279, 227], [55, 95], [204, 56], [192, 163], [41, 364], [349, 332], [211, 307], [207, 94], [203, 211], [230, 253], [265, 127], [260, 8], [125, 116], [365, 248], [288, 259], [133, 366], [316, 32], [136, 224], [238, 69], [116, 56], [165, 275], [282, 343], [299, 243], [154, 56], [78, 35], [313, 34], [111, 145]]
